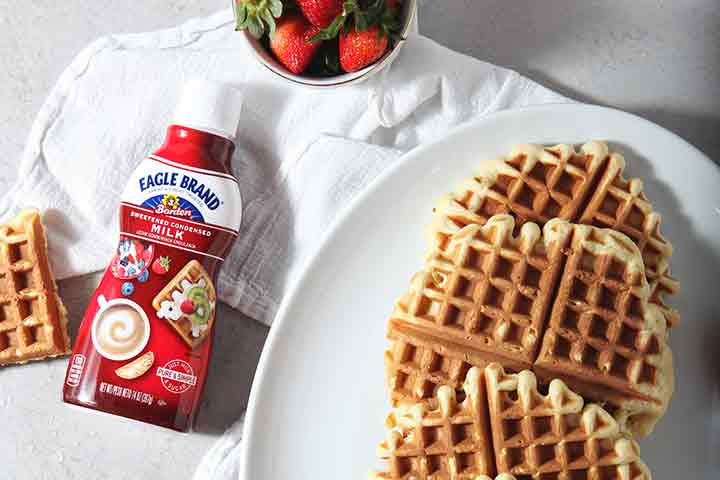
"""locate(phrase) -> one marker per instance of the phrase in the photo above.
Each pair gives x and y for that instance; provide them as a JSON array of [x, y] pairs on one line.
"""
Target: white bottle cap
[[209, 106]]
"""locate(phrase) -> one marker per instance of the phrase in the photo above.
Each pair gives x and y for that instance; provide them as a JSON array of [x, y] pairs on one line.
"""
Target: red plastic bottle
[[144, 345]]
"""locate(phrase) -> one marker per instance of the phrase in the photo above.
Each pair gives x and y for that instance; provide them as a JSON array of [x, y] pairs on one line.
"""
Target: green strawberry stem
[[365, 16], [257, 15]]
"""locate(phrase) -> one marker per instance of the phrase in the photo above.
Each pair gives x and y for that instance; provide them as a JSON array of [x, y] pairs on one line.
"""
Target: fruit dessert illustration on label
[[188, 303], [132, 258]]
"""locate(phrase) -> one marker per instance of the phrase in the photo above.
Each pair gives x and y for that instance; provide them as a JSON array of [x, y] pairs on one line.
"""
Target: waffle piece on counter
[[33, 319]]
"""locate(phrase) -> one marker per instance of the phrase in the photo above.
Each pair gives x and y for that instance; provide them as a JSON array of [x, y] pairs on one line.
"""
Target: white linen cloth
[[302, 154], [111, 106]]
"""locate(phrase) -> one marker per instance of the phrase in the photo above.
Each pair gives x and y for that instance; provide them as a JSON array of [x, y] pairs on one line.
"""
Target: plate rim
[[309, 265]]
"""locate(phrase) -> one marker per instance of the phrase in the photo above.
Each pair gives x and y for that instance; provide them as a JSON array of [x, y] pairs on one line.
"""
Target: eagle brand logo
[[183, 181]]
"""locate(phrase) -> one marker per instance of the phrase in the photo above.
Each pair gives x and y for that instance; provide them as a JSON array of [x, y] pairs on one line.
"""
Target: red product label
[[143, 348]]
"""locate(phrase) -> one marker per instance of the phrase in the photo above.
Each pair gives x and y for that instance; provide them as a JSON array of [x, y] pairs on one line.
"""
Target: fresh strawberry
[[291, 43], [161, 265], [363, 15], [358, 49], [321, 12]]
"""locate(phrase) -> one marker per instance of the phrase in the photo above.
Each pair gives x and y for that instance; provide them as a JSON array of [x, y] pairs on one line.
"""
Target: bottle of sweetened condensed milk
[[144, 345]]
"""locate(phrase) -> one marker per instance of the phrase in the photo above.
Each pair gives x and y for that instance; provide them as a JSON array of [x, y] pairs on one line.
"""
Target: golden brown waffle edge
[[34, 320]]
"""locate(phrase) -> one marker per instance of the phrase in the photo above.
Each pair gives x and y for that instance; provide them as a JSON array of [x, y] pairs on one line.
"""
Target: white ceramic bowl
[[409, 10]]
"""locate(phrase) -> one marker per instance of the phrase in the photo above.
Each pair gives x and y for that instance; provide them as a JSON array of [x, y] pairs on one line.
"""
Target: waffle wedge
[[33, 319], [505, 425], [483, 297], [168, 303], [536, 184], [621, 204], [448, 323], [555, 435], [604, 337], [450, 442]]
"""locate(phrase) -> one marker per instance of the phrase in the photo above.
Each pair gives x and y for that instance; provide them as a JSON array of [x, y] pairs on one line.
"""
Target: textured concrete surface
[[658, 58]]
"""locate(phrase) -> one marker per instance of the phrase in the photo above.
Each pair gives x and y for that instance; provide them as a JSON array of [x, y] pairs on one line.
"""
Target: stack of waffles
[[33, 320], [549, 263]]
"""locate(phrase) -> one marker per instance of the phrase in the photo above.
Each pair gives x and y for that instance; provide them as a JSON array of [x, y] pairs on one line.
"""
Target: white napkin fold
[[111, 106]]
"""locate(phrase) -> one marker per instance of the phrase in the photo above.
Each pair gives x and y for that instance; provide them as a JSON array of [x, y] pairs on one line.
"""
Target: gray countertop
[[657, 58]]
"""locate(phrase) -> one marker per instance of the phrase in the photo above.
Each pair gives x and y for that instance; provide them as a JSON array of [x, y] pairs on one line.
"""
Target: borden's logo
[[170, 205]]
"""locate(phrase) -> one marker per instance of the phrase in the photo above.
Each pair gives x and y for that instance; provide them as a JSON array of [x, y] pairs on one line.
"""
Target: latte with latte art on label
[[120, 332]]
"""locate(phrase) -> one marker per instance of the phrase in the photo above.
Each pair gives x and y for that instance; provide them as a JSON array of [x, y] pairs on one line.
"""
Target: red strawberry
[[360, 49], [187, 307], [321, 13], [290, 44], [161, 265]]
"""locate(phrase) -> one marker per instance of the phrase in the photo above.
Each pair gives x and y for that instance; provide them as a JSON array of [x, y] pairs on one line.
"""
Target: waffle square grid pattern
[[505, 425], [598, 327], [536, 184], [33, 323], [449, 442], [191, 274], [603, 337], [490, 290]]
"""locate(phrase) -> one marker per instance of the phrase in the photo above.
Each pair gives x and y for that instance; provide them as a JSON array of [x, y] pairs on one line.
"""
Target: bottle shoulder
[[196, 148]]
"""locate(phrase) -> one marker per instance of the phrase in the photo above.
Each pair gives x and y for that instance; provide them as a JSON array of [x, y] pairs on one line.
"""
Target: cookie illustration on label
[[188, 303], [137, 367]]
